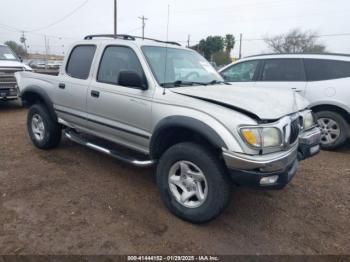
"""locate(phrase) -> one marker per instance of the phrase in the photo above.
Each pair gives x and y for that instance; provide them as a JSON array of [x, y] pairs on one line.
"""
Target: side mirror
[[20, 59], [131, 79]]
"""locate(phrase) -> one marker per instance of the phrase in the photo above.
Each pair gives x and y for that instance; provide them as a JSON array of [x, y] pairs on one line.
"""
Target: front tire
[[44, 132], [193, 182], [334, 129]]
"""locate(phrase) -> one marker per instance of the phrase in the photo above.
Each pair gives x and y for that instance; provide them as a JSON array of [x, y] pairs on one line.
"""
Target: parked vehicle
[[9, 64], [199, 132], [37, 64], [54, 64], [323, 79]]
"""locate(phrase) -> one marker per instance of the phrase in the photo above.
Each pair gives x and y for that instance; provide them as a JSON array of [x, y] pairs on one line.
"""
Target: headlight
[[308, 120], [262, 136]]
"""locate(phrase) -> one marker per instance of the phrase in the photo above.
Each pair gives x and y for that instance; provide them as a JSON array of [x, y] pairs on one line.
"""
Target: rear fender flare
[[32, 94]]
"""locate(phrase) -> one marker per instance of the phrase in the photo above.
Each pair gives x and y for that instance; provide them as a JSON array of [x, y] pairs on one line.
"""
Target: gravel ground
[[72, 200]]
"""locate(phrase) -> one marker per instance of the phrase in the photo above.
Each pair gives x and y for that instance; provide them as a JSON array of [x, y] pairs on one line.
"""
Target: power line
[[61, 19]]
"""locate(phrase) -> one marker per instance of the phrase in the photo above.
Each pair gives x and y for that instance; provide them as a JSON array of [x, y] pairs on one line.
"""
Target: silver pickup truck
[[168, 107]]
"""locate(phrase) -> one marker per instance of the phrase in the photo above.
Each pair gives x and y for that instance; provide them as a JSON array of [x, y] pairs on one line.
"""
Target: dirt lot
[[72, 200]]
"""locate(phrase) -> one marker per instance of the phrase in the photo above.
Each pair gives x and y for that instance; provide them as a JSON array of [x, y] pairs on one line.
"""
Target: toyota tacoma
[[169, 107]]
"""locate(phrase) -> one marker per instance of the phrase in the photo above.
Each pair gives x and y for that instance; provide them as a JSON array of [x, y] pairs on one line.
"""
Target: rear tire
[[334, 129], [44, 132], [205, 180]]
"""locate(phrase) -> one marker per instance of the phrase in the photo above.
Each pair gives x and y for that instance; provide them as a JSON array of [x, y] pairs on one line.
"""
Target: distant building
[[37, 56]]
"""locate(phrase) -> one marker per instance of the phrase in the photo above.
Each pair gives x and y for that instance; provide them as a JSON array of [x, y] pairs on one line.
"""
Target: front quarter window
[[241, 72]]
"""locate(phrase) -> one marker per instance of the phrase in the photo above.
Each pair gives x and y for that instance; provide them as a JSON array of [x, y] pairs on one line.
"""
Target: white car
[[324, 79]]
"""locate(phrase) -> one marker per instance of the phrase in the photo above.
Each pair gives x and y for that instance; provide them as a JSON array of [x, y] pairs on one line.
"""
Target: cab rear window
[[80, 60]]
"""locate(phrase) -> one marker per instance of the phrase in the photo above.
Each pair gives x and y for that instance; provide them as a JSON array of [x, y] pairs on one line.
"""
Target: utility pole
[[143, 18], [188, 40], [115, 16], [23, 40], [46, 51], [240, 46]]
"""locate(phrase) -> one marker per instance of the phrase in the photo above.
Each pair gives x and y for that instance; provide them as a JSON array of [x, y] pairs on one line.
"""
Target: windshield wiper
[[178, 83], [217, 82]]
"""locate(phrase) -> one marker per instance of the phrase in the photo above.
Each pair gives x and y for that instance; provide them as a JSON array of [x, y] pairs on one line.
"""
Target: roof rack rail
[[129, 37], [306, 53]]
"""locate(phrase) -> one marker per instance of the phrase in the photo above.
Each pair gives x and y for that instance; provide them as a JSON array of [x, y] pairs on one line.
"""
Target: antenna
[[166, 49]]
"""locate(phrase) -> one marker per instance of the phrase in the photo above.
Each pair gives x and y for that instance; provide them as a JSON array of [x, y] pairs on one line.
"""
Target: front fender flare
[[189, 123]]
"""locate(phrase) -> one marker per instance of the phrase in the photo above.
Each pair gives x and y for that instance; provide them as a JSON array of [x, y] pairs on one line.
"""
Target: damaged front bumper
[[309, 143], [274, 170]]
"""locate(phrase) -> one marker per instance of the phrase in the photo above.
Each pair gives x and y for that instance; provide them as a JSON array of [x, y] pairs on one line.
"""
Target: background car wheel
[[44, 132], [193, 182], [334, 129]]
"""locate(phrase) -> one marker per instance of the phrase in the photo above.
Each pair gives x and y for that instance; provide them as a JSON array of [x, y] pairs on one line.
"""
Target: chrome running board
[[73, 136]]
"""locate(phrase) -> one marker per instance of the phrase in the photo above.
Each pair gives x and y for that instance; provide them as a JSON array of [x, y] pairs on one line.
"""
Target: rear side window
[[283, 70], [79, 62], [320, 69], [242, 72], [116, 59]]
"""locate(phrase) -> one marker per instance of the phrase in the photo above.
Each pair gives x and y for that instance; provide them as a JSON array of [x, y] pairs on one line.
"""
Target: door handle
[[95, 93], [62, 85]]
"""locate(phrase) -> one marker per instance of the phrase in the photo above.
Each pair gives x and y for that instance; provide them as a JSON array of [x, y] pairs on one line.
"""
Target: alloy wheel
[[38, 127], [188, 184], [330, 130]]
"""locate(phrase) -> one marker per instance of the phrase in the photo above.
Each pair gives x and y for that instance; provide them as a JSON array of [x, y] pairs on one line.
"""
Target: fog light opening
[[269, 180]]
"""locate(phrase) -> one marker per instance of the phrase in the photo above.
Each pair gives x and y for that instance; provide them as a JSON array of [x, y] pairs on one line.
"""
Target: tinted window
[[80, 60], [319, 69], [242, 72], [283, 70], [116, 59]]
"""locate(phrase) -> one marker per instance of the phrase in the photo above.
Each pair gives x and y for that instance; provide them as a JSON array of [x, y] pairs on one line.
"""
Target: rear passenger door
[[327, 80], [71, 90], [283, 73], [120, 113]]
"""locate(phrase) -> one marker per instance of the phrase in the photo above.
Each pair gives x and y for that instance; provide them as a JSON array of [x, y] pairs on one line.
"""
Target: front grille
[[294, 130], [7, 76]]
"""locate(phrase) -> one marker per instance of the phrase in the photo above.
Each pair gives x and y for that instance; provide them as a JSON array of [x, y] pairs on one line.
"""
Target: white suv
[[324, 79]]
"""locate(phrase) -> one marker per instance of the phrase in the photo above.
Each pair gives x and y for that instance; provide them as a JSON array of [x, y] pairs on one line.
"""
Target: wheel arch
[[175, 129], [35, 94], [333, 108]]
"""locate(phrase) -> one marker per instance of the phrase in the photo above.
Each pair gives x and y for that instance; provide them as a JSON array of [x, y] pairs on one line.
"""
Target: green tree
[[210, 45], [229, 42], [295, 41], [222, 58], [17, 48]]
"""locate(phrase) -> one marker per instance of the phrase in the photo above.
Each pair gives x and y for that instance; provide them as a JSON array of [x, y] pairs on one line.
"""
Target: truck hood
[[7, 63], [265, 103]]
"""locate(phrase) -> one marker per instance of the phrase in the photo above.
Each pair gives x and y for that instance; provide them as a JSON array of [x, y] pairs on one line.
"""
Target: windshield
[[182, 67], [7, 54]]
